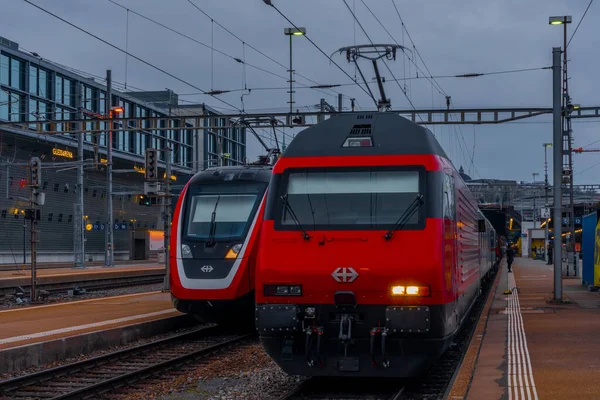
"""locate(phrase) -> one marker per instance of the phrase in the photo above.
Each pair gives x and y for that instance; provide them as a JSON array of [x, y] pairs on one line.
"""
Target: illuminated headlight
[[233, 252], [282, 290], [186, 252], [418, 291]]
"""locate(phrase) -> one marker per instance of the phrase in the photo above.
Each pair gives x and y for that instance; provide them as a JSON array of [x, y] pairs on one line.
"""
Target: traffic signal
[[148, 200], [151, 167], [35, 165], [144, 200]]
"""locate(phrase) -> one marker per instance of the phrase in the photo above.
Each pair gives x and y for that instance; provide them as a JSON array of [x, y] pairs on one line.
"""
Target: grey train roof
[[391, 134], [260, 173]]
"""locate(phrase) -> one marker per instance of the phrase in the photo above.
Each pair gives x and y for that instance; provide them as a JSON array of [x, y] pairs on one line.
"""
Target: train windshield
[[227, 208], [336, 198]]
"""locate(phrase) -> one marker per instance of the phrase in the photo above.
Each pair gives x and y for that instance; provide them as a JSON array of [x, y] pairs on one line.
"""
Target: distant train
[[372, 250], [216, 224]]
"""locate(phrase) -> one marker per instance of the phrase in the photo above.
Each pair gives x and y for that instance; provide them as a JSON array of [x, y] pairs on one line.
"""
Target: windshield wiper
[[406, 215], [287, 205], [213, 225]]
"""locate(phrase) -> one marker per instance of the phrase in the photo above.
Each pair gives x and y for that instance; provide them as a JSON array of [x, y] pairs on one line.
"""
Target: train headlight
[[233, 252], [186, 252], [282, 290], [417, 291]]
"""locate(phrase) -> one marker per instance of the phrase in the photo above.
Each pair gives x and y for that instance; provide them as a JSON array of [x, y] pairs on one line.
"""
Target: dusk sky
[[453, 38]]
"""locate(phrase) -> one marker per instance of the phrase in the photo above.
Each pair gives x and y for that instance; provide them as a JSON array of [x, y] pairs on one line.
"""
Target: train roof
[[346, 135], [258, 173]]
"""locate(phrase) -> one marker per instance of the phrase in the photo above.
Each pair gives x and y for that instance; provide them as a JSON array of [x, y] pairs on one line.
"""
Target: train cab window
[[351, 198], [229, 209], [449, 206]]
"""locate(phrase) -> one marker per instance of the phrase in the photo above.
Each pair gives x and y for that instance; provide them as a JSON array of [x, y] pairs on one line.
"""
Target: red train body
[[214, 245], [371, 253]]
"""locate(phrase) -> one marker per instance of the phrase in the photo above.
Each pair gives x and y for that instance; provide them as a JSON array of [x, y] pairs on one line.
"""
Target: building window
[[3, 213], [64, 91], [56, 187], [16, 214], [59, 218], [50, 217], [45, 185], [4, 69], [85, 190], [66, 188], [17, 74], [70, 218], [94, 193], [11, 106]]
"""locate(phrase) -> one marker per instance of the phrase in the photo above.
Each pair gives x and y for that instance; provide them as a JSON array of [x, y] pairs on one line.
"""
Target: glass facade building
[[32, 89]]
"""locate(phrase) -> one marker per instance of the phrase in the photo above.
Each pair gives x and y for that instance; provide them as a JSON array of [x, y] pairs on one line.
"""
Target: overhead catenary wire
[[123, 51], [320, 50], [580, 21], [255, 49]]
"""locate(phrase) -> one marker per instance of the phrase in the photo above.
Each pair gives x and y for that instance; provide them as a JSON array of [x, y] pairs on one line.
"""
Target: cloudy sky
[[453, 37]]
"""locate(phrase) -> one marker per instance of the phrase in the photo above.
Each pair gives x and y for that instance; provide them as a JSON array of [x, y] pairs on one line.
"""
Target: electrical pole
[[79, 228], [35, 167], [108, 232], [557, 172], [167, 227]]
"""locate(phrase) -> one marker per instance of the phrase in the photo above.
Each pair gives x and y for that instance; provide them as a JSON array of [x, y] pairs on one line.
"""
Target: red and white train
[[214, 244], [372, 250]]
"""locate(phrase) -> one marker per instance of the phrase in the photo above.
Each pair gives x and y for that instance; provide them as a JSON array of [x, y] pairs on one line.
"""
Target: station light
[[117, 110], [293, 31], [566, 19]]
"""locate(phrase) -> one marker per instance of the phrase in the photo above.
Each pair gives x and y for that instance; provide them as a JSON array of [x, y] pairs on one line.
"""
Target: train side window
[[449, 208]]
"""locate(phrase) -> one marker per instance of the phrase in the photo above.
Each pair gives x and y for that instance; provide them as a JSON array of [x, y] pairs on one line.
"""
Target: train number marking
[[206, 268], [345, 275]]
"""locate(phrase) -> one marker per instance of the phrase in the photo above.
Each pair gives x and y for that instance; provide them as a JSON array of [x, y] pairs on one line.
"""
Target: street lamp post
[[534, 198], [291, 32], [567, 108]]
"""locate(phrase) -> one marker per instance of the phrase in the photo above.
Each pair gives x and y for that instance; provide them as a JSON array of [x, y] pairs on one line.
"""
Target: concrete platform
[[88, 324], [526, 347], [57, 278]]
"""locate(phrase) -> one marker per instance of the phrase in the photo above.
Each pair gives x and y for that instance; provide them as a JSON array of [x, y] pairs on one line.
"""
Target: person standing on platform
[[510, 257]]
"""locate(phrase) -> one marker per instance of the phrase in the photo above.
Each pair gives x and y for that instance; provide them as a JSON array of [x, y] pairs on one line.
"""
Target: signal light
[[23, 183], [420, 291], [151, 167], [36, 171]]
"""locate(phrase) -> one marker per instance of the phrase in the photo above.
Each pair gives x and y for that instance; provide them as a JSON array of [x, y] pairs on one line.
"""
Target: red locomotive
[[215, 228], [372, 250]]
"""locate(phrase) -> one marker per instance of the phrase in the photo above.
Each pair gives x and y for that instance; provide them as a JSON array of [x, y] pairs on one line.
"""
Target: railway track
[[94, 284], [98, 376], [346, 389]]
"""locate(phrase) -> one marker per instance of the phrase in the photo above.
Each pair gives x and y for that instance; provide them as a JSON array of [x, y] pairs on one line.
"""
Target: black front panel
[[207, 269]]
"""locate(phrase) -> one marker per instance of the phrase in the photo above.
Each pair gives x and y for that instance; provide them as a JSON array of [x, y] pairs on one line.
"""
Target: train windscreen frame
[[349, 198], [234, 204]]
